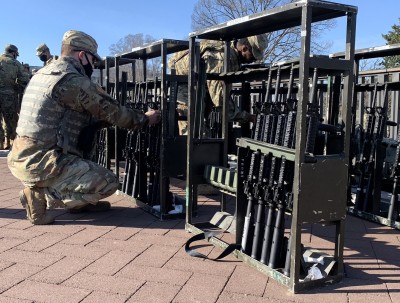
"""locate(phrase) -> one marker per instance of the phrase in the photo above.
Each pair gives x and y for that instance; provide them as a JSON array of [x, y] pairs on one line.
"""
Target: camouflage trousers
[[8, 111], [81, 182]]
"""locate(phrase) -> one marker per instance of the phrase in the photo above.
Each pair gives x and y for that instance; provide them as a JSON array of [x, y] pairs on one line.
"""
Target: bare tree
[[126, 45], [371, 64], [282, 44]]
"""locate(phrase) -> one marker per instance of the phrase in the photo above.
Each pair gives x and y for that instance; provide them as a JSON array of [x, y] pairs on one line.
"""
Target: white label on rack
[[238, 20], [303, 33]]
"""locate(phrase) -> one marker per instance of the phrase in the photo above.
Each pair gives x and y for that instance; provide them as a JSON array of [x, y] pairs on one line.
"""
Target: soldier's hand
[[154, 116]]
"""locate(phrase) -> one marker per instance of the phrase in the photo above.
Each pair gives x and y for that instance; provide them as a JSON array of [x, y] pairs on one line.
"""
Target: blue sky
[[28, 23]]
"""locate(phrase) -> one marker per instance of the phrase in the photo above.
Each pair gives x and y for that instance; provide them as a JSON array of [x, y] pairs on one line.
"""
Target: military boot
[[34, 202]]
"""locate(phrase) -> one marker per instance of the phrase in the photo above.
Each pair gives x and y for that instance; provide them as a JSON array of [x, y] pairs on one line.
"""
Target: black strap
[[206, 236]]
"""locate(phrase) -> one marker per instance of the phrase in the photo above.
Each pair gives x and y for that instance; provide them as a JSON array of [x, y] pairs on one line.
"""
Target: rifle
[[140, 178], [152, 162], [248, 190], [375, 161], [268, 119], [393, 212], [259, 124], [128, 155], [265, 164], [291, 103], [313, 115], [286, 269], [268, 196], [277, 238], [365, 156]]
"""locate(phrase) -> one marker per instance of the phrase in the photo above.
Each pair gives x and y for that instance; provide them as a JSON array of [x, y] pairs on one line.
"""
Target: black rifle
[[291, 106], [375, 166], [393, 212], [269, 195], [286, 269], [365, 157], [269, 120], [277, 238], [128, 155], [139, 187], [280, 115], [313, 117], [259, 124], [265, 165], [248, 190]]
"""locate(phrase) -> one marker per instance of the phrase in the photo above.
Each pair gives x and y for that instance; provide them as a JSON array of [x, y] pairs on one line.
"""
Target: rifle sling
[[206, 236]]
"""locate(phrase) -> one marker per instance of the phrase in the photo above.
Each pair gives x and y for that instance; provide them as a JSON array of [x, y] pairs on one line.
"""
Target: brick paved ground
[[127, 255]]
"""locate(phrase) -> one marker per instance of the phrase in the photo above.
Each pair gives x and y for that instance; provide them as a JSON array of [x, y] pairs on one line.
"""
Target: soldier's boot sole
[[42, 219]]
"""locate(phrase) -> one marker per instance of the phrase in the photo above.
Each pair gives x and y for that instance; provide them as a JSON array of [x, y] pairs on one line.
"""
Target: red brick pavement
[[128, 255]]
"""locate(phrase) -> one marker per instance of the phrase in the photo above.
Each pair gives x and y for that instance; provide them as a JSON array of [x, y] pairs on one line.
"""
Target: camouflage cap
[[258, 45], [81, 41], [41, 49], [11, 48]]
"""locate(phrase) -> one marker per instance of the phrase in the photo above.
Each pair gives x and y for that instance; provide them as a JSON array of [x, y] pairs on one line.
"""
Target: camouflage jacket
[[58, 102], [213, 54], [12, 75]]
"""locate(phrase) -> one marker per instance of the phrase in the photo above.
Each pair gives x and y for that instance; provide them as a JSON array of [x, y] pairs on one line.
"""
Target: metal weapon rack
[[151, 155], [307, 187], [375, 111]]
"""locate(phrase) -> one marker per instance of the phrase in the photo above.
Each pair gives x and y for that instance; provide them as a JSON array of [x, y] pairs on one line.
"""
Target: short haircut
[[67, 49]]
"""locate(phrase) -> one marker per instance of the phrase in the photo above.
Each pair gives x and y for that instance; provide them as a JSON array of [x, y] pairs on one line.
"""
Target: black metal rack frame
[[305, 209]]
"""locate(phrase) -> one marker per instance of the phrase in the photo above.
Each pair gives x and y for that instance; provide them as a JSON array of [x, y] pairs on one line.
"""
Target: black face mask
[[87, 67], [43, 58]]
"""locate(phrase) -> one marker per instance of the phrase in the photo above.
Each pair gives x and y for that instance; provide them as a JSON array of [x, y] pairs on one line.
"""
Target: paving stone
[[43, 292], [79, 251], [101, 296], [16, 273], [121, 233], [156, 255], [155, 293], [42, 242], [116, 285], [254, 286], [201, 288], [25, 234], [85, 236], [154, 274], [111, 244], [29, 257], [61, 270], [200, 266], [8, 243], [110, 263]]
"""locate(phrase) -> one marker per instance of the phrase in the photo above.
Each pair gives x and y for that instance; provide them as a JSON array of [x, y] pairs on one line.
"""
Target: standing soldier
[[246, 50], [12, 76], [47, 156], [43, 52]]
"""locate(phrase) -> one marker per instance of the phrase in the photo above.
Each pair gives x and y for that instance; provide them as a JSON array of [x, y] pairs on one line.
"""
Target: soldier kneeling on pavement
[[59, 102]]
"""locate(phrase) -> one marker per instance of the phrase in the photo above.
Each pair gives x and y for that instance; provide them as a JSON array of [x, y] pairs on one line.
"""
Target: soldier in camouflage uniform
[[59, 101], [242, 51], [43, 52], [12, 76]]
